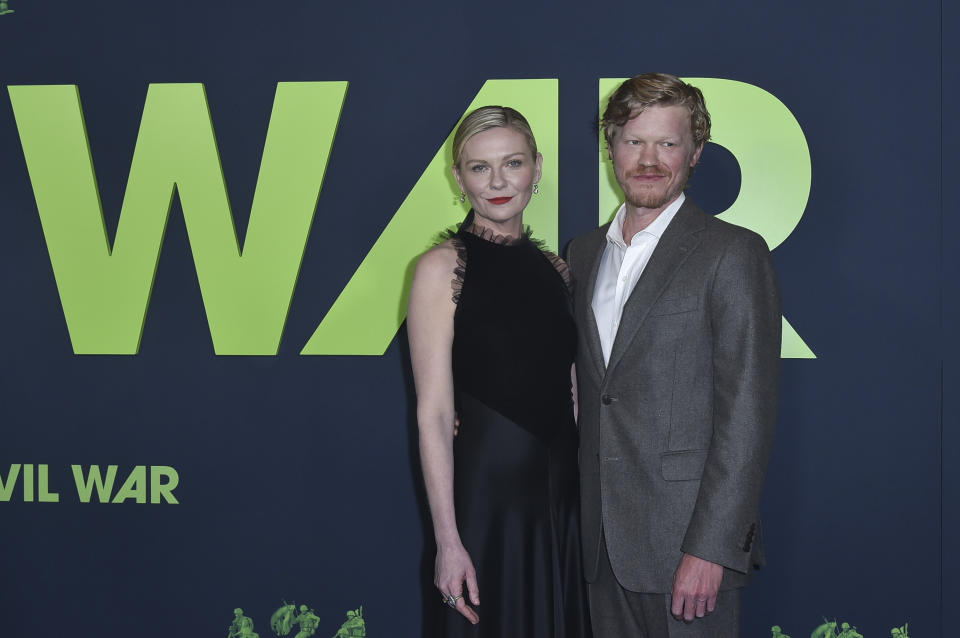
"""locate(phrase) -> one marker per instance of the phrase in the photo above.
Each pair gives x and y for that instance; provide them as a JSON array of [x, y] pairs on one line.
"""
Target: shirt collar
[[656, 228]]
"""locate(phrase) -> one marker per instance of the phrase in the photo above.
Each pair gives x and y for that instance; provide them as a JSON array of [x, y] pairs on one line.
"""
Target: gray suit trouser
[[618, 613]]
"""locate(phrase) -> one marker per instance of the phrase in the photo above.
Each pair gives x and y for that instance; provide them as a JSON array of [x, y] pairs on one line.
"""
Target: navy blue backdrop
[[298, 475]]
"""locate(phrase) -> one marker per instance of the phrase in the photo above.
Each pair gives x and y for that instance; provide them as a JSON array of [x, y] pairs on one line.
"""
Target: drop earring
[[463, 197], [536, 188]]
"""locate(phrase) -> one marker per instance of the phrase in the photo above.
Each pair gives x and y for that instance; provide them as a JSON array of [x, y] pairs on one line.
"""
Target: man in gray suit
[[679, 330]]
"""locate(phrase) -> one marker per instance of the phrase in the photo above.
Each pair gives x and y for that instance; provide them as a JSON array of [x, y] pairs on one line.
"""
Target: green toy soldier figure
[[241, 627], [777, 632], [282, 620], [354, 627], [308, 622], [3, 8], [846, 631]]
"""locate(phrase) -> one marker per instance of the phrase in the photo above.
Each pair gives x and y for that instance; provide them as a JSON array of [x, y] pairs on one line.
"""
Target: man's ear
[[696, 155]]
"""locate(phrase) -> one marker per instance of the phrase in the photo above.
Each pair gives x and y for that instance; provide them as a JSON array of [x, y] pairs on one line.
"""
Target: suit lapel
[[586, 317], [679, 239]]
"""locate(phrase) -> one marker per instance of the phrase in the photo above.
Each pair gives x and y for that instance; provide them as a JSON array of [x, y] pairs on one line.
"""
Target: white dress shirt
[[620, 269]]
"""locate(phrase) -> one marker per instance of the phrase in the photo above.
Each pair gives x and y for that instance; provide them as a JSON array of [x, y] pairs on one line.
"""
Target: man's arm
[[745, 324]]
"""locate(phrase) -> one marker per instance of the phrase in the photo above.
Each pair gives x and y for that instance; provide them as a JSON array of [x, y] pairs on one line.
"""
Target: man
[[679, 331]]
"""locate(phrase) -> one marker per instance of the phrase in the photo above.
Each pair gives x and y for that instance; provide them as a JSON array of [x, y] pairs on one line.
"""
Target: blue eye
[[478, 168], [514, 163]]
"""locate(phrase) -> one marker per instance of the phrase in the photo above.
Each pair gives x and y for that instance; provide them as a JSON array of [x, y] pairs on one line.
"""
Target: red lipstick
[[499, 200]]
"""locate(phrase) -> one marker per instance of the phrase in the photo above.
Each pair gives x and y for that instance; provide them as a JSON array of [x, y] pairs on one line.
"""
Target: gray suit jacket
[[675, 433]]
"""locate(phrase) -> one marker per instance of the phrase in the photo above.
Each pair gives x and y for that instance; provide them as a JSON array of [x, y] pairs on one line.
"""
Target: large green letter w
[[105, 292]]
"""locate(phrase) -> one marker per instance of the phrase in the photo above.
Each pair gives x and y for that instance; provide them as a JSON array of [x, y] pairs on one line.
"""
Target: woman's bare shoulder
[[439, 262]]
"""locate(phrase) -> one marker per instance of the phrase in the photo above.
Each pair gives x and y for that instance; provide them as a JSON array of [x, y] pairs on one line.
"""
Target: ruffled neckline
[[467, 229], [469, 226]]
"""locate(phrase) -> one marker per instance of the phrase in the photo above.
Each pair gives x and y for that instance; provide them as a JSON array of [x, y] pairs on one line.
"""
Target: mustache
[[649, 172]]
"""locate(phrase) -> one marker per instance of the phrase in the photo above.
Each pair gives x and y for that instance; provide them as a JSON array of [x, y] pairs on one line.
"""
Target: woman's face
[[497, 172]]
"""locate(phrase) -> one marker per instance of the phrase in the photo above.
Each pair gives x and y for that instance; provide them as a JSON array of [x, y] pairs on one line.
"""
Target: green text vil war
[[31, 483]]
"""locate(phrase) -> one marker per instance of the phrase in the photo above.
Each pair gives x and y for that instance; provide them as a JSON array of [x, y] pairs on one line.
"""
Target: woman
[[492, 343]]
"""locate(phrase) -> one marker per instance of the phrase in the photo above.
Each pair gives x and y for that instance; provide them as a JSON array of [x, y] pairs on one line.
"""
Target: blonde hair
[[489, 117], [639, 93]]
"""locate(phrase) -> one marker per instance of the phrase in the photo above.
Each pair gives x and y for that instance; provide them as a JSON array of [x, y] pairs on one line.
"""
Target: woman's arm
[[430, 331]]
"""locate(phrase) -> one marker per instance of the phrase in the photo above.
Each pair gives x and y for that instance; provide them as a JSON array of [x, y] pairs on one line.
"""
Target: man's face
[[652, 156]]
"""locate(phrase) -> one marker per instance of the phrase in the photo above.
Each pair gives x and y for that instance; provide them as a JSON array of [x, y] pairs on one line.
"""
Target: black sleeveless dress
[[515, 458]]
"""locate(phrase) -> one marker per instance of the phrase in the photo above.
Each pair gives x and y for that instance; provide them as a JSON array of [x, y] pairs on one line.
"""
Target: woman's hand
[[452, 569]]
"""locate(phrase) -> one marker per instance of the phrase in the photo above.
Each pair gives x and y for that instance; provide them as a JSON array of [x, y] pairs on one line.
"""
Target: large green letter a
[[365, 317]]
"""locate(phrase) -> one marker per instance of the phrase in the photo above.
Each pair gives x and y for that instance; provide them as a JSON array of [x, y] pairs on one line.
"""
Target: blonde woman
[[492, 342]]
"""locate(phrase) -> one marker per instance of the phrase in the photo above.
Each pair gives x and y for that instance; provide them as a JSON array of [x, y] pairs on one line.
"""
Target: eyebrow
[[520, 153]]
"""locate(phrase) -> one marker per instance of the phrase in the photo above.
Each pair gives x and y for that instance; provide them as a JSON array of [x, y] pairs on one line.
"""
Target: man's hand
[[695, 587]]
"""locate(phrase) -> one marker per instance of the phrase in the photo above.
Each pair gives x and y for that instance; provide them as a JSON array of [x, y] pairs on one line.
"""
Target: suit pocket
[[683, 466], [675, 306]]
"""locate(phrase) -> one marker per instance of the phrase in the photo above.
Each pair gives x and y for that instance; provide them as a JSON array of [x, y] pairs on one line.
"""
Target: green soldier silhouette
[[281, 622], [900, 632], [308, 622], [3, 8], [777, 632], [846, 631], [826, 630], [356, 627], [241, 627]]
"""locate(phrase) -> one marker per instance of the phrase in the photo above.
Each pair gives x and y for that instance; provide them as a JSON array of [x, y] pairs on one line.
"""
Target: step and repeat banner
[[209, 215]]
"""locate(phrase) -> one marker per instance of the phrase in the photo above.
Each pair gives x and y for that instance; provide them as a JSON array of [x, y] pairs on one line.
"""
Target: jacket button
[[749, 540], [606, 399]]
